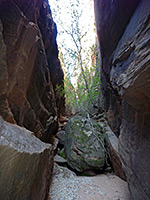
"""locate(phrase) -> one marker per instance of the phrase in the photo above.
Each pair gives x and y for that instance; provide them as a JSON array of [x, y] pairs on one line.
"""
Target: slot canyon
[[99, 153]]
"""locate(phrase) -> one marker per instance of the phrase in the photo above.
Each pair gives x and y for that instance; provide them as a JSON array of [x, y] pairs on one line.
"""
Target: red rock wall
[[30, 69], [123, 29]]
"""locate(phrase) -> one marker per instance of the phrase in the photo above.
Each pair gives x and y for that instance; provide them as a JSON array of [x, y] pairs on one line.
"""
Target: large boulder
[[125, 27], [84, 144], [25, 164], [29, 65]]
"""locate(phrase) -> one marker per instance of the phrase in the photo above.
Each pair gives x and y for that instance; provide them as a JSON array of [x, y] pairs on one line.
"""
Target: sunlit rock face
[[29, 67], [123, 30]]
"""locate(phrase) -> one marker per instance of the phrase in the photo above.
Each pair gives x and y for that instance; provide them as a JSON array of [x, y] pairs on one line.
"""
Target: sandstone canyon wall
[[123, 29], [30, 71]]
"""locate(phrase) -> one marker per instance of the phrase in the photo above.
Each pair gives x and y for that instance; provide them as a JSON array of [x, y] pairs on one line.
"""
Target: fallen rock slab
[[113, 151], [25, 167], [60, 160]]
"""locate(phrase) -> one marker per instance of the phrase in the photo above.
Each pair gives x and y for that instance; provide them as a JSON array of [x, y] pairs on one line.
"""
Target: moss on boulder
[[84, 144]]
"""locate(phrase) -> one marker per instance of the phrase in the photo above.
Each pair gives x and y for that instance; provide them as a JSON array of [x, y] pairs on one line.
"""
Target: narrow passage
[[66, 184]]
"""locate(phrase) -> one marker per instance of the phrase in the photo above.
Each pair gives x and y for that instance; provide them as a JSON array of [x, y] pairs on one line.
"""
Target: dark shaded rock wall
[[123, 29], [111, 20], [29, 66]]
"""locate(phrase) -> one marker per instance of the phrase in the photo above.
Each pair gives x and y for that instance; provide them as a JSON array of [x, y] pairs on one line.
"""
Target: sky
[[61, 12]]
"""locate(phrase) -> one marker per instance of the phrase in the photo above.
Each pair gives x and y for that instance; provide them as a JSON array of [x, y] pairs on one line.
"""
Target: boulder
[[26, 164], [62, 172], [61, 136], [60, 160], [84, 144]]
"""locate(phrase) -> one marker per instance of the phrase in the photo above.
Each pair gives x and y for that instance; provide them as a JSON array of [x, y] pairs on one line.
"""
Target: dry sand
[[67, 186]]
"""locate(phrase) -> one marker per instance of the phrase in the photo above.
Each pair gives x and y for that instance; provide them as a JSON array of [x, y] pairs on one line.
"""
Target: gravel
[[67, 186]]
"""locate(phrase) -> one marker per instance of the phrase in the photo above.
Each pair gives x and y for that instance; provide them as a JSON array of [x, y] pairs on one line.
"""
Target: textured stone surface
[[126, 88], [135, 149], [67, 186], [83, 148], [60, 160], [26, 164], [61, 136], [131, 61], [4, 107], [111, 20], [49, 32], [113, 151], [28, 67]]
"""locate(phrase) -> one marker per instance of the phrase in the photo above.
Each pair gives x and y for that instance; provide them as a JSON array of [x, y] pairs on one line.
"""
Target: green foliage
[[77, 59], [62, 153], [78, 98], [70, 96], [94, 83]]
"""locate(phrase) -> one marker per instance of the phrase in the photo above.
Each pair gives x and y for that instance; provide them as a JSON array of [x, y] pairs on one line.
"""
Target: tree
[[77, 58]]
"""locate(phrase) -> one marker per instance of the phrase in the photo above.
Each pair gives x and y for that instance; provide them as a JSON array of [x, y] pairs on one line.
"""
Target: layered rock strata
[[29, 65], [30, 72], [123, 29]]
